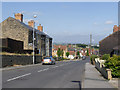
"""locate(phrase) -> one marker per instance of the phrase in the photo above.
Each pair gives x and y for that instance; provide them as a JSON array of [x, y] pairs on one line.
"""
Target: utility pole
[[90, 43], [34, 41]]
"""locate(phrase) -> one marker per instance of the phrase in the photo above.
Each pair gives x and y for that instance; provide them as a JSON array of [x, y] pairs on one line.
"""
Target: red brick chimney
[[31, 23], [115, 28], [119, 27], [40, 27], [19, 17]]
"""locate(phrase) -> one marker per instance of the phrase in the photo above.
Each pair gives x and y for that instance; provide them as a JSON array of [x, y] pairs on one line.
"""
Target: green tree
[[78, 53], [58, 52], [87, 54], [67, 54], [62, 53]]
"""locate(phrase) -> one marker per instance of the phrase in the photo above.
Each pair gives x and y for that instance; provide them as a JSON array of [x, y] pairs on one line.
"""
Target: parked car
[[83, 57], [48, 60]]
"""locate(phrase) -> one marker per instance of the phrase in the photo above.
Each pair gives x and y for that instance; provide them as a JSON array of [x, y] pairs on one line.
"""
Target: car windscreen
[[47, 58]]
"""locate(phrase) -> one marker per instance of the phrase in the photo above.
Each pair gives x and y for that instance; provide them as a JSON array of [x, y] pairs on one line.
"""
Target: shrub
[[92, 58], [113, 63], [87, 54], [105, 57]]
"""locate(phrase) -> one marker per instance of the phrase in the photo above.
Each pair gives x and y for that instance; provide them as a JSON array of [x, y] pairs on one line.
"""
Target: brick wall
[[108, 43]]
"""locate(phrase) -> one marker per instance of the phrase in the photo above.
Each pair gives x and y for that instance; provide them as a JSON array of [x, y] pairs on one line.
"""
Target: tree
[[58, 52], [78, 53], [67, 54], [87, 54], [62, 52]]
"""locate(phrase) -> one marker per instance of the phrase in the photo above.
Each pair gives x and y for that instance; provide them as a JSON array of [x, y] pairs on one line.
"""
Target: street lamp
[[33, 40]]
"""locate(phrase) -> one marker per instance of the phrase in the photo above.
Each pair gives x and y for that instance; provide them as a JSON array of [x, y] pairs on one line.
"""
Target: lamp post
[[33, 40]]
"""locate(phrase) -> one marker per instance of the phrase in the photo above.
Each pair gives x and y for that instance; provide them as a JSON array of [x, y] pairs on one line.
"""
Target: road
[[65, 74]]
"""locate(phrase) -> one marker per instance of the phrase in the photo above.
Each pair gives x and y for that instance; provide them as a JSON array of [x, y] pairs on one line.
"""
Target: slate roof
[[30, 28]]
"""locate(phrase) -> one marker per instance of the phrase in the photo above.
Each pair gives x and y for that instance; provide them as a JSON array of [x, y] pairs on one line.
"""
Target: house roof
[[71, 49], [27, 26], [71, 52], [64, 47], [109, 36]]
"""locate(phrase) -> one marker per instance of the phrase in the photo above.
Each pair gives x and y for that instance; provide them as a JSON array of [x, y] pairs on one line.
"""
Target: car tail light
[[50, 60], [42, 60]]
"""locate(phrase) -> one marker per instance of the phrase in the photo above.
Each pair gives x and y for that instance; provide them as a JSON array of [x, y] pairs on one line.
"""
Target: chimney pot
[[115, 28], [40, 28], [19, 17], [31, 23]]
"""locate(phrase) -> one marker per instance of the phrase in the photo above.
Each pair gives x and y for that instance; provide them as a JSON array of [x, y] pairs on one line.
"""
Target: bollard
[[109, 76]]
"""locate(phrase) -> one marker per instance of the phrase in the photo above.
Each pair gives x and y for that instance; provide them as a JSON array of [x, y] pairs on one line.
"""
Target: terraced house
[[15, 29], [111, 44]]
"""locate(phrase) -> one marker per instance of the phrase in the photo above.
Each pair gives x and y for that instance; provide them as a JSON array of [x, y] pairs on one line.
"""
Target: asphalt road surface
[[65, 74]]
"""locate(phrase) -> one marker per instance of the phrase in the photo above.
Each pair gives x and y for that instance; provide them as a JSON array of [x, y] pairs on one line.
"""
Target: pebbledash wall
[[10, 60]]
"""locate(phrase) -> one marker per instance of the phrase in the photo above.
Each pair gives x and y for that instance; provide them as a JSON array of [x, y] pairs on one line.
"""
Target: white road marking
[[18, 77], [55, 66], [45, 69], [40, 70]]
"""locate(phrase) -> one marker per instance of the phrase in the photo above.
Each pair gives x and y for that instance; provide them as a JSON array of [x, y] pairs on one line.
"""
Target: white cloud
[[109, 22], [95, 23]]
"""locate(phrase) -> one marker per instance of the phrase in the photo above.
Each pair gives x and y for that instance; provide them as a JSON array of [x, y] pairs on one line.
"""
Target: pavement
[[64, 74], [93, 78]]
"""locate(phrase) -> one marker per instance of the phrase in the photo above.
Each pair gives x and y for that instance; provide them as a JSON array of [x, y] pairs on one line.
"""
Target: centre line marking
[[55, 66], [18, 77], [45, 69], [40, 71]]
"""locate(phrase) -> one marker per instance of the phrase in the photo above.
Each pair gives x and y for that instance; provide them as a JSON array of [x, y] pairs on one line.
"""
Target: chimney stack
[[19, 17], [31, 23], [115, 28], [119, 27], [40, 28]]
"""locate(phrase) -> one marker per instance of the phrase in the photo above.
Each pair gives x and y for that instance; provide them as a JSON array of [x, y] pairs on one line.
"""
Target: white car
[[48, 60]]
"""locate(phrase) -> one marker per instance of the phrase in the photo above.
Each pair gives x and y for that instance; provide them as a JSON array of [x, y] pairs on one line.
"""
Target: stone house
[[14, 28], [111, 44]]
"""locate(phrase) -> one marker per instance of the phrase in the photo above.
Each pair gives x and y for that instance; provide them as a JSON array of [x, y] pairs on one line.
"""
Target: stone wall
[[10, 60], [13, 29]]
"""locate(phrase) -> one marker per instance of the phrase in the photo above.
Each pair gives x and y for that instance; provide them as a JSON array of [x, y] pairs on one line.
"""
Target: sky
[[68, 22]]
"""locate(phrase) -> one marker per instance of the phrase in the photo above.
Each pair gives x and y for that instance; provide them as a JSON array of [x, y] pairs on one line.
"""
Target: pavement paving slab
[[93, 78]]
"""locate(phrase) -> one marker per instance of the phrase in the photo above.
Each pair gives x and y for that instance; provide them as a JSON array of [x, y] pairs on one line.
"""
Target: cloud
[[109, 22], [95, 23]]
